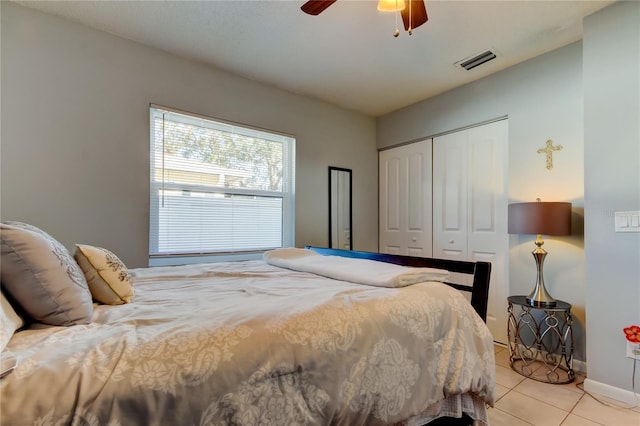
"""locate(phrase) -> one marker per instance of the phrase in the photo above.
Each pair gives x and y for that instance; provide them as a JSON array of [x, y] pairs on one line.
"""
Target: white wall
[[543, 100], [612, 183], [75, 134]]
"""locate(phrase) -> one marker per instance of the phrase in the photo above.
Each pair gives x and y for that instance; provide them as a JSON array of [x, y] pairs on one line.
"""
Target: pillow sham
[[108, 278], [10, 321], [41, 276]]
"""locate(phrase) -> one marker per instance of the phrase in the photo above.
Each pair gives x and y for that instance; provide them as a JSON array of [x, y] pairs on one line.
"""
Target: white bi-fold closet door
[[463, 204], [405, 200], [470, 207]]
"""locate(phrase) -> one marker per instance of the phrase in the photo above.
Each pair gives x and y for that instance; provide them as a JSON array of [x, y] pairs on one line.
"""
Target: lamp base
[[540, 297], [541, 304]]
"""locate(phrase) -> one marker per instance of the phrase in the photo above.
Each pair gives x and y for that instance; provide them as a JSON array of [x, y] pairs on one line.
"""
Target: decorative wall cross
[[548, 149]]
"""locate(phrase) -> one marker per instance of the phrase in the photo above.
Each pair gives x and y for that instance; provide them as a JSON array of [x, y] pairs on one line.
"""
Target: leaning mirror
[[340, 208]]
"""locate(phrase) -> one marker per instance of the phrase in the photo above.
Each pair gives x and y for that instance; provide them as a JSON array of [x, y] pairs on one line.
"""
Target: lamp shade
[[548, 218], [390, 5]]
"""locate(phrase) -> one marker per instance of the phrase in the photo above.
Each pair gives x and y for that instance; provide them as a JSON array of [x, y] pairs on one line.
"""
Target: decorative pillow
[[41, 276], [106, 275], [10, 321]]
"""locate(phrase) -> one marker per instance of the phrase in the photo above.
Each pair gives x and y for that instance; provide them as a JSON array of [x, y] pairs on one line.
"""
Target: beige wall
[[75, 134]]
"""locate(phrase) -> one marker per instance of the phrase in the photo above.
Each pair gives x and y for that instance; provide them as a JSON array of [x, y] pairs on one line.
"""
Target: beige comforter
[[249, 343]]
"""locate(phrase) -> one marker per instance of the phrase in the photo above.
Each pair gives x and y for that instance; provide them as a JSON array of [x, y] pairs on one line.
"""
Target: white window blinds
[[217, 188]]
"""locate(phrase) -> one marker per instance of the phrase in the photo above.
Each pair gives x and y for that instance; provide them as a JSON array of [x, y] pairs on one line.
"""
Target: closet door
[[488, 239], [470, 207], [450, 196], [405, 200]]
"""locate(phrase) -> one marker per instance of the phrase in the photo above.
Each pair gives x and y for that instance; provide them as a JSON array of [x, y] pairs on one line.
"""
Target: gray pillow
[[42, 276]]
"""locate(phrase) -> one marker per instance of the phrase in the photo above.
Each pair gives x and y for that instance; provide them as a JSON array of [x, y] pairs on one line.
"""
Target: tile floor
[[522, 401]]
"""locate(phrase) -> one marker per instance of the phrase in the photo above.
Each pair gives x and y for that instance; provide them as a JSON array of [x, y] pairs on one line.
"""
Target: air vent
[[476, 60]]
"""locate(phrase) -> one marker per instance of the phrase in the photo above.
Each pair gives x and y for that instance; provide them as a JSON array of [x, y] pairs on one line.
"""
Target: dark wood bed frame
[[481, 271]]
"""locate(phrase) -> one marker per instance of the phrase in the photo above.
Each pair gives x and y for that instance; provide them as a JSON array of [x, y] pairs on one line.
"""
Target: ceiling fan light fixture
[[390, 5]]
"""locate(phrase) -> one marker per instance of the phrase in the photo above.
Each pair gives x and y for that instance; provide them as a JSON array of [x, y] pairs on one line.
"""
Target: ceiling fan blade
[[418, 14], [316, 7]]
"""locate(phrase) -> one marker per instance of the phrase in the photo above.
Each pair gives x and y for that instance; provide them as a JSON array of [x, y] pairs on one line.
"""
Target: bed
[[251, 343]]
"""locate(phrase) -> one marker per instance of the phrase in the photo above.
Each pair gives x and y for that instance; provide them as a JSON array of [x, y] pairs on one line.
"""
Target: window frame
[[286, 194]]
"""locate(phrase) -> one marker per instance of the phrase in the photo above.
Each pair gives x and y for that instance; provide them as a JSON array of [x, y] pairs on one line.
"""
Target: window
[[218, 190]]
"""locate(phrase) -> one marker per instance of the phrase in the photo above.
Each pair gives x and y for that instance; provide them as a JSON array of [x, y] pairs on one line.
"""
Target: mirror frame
[[349, 172]]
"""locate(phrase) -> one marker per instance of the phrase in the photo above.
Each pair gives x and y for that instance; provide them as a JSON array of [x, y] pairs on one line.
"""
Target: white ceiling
[[347, 55]]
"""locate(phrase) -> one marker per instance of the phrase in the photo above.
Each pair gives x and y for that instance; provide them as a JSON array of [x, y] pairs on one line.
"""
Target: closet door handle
[[451, 241]]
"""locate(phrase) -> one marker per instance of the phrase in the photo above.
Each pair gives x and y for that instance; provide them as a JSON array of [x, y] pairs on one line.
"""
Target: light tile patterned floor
[[526, 402]]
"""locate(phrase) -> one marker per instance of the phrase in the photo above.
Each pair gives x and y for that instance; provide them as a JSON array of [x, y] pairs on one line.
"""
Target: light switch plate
[[627, 221]]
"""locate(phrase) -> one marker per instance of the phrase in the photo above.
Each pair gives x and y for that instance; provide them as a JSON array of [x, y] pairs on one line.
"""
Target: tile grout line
[[582, 417], [543, 402], [567, 414], [578, 401], [565, 418], [513, 415]]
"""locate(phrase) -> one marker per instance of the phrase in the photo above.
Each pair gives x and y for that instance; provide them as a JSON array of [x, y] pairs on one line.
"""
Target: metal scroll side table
[[541, 341]]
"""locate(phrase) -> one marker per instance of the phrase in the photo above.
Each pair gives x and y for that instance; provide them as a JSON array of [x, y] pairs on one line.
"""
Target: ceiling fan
[[414, 13]]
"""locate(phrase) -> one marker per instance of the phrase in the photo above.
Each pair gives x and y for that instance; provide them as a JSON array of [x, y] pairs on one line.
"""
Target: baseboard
[[609, 391], [580, 367]]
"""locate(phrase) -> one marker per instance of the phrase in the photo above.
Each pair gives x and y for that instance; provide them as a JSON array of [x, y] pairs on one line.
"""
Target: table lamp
[[548, 218]]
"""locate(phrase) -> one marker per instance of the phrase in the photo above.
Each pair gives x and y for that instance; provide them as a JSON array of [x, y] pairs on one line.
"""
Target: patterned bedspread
[[248, 343]]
